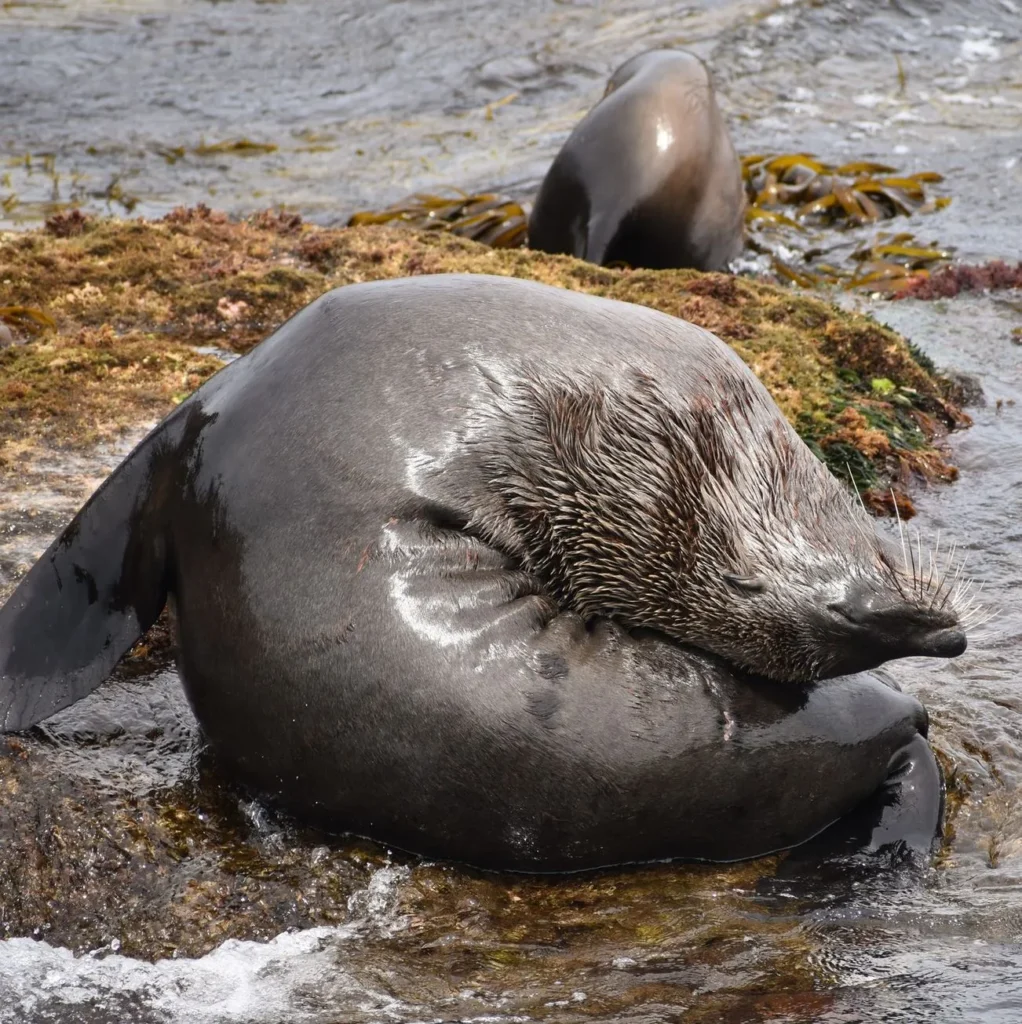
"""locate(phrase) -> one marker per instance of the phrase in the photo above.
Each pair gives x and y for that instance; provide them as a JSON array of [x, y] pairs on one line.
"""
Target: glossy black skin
[[649, 177], [356, 656]]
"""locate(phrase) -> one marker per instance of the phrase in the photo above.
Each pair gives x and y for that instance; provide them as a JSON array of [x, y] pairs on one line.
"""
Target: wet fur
[[637, 505]]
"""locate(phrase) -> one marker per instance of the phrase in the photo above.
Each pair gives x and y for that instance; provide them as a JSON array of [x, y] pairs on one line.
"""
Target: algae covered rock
[[113, 822], [128, 317]]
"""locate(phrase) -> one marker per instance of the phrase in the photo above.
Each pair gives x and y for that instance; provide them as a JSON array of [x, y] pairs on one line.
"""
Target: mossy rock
[[130, 301]]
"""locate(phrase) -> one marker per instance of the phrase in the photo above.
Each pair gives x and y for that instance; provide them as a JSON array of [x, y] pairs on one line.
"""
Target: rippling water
[[367, 101]]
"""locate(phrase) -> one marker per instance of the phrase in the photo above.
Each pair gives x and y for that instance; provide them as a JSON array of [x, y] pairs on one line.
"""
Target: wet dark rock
[[967, 389], [116, 826]]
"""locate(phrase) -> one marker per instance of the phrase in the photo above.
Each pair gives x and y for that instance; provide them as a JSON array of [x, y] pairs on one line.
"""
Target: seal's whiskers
[[919, 551], [984, 637], [952, 587], [934, 554], [936, 580], [941, 588], [901, 534]]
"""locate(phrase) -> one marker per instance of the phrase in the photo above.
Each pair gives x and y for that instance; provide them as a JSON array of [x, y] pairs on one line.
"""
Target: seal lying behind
[[649, 177], [398, 535]]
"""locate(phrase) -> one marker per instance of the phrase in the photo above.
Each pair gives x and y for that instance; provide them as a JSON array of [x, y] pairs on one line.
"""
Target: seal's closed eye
[[745, 584]]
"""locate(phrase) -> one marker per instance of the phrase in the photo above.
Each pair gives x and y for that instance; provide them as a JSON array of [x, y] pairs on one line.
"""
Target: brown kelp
[[28, 319], [794, 198], [234, 147], [888, 264], [791, 193], [861, 192], [488, 217]]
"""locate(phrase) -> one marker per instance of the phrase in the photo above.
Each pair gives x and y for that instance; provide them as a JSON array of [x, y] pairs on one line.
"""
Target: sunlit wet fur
[[704, 517]]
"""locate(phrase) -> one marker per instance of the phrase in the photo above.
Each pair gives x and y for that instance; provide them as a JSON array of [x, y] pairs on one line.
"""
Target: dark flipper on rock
[[898, 825], [100, 586]]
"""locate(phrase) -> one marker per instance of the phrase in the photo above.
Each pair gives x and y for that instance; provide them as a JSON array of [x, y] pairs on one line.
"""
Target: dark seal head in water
[[649, 177], [428, 546]]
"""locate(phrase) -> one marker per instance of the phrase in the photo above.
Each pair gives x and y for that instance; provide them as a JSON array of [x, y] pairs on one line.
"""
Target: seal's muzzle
[[878, 626]]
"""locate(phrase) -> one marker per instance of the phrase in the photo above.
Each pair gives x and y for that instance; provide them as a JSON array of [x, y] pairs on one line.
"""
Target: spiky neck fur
[[702, 516]]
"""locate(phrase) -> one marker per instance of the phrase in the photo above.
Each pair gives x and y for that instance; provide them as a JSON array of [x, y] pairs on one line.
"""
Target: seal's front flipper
[[101, 584], [900, 824], [909, 809]]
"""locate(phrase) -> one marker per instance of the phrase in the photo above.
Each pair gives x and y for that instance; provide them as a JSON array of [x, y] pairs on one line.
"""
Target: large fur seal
[[431, 547], [649, 177]]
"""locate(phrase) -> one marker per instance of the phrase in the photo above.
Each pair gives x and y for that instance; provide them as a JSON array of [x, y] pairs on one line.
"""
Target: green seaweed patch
[[130, 301]]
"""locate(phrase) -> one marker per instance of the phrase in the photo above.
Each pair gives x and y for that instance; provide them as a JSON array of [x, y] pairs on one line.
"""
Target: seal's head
[[706, 517], [677, 67]]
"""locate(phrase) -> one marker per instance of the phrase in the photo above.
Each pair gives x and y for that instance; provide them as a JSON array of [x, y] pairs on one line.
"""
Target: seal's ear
[[85, 602]]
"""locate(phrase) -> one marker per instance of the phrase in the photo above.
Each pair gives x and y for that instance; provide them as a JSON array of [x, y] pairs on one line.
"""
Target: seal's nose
[[942, 643], [895, 628]]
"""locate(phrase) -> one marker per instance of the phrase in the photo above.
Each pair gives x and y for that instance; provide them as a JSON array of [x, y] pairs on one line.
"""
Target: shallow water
[[365, 101], [415, 942]]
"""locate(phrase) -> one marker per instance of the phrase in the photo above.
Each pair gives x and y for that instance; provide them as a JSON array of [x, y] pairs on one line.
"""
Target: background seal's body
[[649, 177]]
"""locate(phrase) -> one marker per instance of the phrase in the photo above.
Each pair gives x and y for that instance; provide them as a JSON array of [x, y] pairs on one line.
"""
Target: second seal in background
[[649, 177]]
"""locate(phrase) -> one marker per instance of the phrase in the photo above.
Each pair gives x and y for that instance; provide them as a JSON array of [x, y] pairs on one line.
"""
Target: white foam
[[297, 976], [980, 49]]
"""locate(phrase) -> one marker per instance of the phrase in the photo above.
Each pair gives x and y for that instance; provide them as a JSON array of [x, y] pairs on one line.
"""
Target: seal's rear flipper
[[85, 602]]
